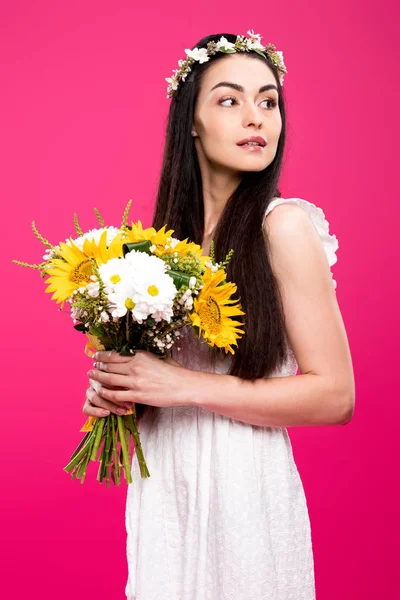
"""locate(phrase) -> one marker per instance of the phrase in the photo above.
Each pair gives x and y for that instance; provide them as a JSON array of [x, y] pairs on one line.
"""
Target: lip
[[257, 138]]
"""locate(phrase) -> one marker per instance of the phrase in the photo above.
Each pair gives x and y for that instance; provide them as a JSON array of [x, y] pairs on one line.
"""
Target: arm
[[324, 393]]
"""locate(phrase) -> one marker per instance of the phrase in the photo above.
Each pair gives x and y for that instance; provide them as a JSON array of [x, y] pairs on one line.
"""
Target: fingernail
[[121, 411]]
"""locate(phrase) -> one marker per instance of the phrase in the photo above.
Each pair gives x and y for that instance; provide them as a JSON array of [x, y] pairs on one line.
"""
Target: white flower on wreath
[[223, 43], [255, 40], [199, 54], [173, 82]]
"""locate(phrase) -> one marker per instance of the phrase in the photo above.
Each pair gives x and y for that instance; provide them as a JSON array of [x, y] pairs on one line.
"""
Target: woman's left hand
[[144, 378]]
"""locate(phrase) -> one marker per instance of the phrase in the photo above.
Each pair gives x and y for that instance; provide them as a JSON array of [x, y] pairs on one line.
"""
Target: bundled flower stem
[[108, 432]]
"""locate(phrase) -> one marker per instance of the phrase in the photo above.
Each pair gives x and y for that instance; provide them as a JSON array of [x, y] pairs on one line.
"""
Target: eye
[[272, 101]]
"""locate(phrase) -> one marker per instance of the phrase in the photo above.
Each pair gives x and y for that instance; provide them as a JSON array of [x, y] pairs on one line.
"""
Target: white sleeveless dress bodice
[[223, 515]]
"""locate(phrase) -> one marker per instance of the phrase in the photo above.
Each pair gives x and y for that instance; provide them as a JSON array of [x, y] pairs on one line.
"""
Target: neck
[[219, 183]]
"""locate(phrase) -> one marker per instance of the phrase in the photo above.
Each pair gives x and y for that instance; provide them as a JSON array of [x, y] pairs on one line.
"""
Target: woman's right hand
[[96, 406]]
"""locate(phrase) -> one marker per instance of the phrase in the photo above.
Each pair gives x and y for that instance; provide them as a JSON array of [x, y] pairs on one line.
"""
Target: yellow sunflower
[[212, 315], [184, 247], [73, 269], [157, 238], [160, 240], [99, 251]]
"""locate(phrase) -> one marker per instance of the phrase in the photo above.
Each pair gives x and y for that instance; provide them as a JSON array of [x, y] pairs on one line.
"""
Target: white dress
[[223, 515]]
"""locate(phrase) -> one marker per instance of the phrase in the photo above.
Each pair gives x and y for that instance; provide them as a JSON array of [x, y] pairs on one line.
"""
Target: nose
[[251, 116]]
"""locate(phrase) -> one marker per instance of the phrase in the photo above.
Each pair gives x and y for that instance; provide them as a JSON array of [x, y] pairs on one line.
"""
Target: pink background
[[84, 107]]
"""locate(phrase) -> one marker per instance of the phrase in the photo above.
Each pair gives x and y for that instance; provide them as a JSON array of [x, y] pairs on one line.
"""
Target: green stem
[[125, 454], [108, 455], [83, 468], [144, 471], [114, 443], [79, 455], [106, 452], [101, 470], [84, 440], [116, 467], [99, 430]]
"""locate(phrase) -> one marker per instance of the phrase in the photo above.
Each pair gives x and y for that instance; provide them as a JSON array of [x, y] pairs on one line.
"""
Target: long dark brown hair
[[179, 204]]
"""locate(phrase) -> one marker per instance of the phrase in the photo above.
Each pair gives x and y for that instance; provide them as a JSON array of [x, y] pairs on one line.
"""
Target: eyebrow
[[240, 88]]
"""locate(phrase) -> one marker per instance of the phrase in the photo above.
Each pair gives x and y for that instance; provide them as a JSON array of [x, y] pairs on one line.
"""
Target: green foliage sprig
[[77, 226], [99, 217], [124, 224]]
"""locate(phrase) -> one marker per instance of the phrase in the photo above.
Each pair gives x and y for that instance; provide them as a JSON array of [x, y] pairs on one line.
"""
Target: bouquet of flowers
[[130, 288]]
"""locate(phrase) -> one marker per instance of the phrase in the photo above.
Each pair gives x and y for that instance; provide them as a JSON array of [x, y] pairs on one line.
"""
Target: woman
[[224, 515]]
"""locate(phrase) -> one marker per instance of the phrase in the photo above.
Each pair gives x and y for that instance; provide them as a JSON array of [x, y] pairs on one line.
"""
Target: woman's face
[[224, 116]]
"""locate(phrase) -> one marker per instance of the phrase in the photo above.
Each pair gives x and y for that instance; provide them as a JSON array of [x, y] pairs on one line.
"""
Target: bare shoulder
[[290, 230], [285, 214], [314, 324]]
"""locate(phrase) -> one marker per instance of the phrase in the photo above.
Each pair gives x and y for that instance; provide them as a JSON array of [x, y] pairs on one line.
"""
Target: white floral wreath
[[242, 44]]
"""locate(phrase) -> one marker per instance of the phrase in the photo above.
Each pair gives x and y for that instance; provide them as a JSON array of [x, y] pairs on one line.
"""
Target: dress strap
[[317, 216]]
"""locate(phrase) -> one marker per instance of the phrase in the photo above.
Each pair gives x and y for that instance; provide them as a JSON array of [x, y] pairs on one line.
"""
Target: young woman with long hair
[[223, 515]]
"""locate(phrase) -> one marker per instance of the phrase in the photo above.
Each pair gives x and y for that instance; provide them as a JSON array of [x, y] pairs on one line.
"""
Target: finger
[[101, 405], [110, 356], [117, 396], [95, 385], [109, 367], [94, 411], [110, 379]]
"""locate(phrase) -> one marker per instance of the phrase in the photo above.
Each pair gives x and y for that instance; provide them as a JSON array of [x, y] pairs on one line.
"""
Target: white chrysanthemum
[[114, 271], [146, 292], [125, 298], [95, 234], [158, 294], [141, 261], [140, 284]]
